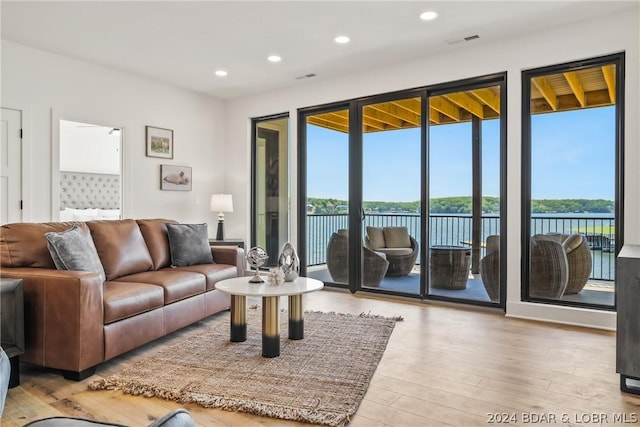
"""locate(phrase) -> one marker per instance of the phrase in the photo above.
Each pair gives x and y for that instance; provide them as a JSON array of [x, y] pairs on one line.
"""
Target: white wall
[[47, 87], [614, 33]]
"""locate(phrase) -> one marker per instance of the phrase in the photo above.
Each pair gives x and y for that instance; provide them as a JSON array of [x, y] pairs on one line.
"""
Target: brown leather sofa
[[74, 321]]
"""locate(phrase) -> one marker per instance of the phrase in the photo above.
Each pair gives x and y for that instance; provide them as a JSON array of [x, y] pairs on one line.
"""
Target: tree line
[[461, 205]]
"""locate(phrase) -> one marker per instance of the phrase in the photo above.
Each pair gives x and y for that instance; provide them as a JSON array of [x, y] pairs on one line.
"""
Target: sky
[[572, 157]]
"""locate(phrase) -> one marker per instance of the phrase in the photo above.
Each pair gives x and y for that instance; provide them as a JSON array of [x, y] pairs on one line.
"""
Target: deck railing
[[456, 230]]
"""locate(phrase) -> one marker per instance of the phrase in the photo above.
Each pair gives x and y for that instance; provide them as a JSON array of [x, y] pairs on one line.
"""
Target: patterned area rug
[[320, 379]]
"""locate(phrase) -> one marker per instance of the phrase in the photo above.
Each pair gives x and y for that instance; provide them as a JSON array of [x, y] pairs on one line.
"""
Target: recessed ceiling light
[[428, 16], [221, 73], [274, 58], [342, 39]]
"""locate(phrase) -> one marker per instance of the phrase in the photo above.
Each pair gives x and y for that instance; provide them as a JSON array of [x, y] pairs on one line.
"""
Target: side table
[[449, 267], [227, 242], [12, 325]]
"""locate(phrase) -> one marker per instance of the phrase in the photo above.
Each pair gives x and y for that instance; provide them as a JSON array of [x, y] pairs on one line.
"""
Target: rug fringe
[[286, 413], [256, 408]]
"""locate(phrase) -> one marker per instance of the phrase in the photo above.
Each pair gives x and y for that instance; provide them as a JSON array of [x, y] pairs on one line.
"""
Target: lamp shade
[[221, 203]]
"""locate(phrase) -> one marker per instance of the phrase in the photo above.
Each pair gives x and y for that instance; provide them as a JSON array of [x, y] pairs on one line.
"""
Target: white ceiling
[[183, 42]]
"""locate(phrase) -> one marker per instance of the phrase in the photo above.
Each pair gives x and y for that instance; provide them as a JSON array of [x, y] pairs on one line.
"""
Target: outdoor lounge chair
[[578, 258], [490, 268], [400, 248], [374, 265], [560, 265], [548, 269]]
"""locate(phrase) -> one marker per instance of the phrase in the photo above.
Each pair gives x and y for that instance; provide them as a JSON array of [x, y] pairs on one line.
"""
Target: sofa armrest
[[64, 317], [231, 255]]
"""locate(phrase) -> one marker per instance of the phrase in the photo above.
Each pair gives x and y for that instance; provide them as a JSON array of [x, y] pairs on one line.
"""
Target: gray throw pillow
[[74, 249], [189, 244]]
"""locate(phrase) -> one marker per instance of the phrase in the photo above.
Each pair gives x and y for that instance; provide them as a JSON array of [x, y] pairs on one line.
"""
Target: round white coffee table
[[239, 288]]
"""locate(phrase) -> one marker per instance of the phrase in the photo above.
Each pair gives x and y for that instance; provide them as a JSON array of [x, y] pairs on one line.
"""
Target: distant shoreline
[[462, 205]]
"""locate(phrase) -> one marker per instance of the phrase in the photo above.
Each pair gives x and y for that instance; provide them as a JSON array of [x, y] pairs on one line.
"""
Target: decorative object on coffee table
[[276, 276], [256, 257], [289, 262]]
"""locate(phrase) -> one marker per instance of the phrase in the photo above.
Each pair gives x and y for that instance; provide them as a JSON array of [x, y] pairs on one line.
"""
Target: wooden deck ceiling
[[588, 88]]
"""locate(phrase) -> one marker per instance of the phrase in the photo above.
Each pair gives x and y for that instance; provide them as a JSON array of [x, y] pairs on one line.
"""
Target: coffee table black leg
[[270, 326], [296, 320], [238, 318]]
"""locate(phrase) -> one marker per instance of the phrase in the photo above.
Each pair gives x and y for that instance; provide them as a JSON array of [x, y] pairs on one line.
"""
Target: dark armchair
[[490, 268], [374, 264], [578, 255], [400, 248]]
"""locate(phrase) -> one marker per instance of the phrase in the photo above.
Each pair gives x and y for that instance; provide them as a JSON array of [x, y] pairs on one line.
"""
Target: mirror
[[90, 171]]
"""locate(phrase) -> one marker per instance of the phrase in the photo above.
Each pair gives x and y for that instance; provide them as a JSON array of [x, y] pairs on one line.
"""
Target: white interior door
[[10, 166]]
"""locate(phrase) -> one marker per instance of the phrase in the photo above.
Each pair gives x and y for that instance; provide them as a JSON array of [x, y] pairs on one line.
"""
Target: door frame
[[496, 79], [255, 122]]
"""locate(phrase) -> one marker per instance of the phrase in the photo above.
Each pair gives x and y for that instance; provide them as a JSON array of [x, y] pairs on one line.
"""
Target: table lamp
[[221, 203]]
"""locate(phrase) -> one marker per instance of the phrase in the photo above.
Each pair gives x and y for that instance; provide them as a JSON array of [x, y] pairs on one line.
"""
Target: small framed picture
[[176, 178], [159, 142]]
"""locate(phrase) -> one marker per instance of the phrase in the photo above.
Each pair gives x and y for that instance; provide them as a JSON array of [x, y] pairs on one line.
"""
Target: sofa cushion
[[376, 237], [395, 251], [121, 247], [212, 272], [189, 244], [177, 284], [154, 232], [396, 237], [24, 245], [126, 299], [73, 249]]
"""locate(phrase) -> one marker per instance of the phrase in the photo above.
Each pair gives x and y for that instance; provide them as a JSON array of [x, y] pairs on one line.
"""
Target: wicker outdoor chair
[[374, 264], [490, 268], [579, 260], [548, 269], [400, 248]]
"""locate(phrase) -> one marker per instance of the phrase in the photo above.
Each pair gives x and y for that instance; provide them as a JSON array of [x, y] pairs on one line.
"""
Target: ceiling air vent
[[463, 39], [306, 76]]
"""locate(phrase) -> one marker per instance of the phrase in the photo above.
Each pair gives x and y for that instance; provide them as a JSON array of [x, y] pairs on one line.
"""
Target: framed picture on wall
[[176, 178], [159, 142]]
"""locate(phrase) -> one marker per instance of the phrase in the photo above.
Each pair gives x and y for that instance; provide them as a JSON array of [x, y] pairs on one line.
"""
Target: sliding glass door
[[391, 193], [324, 195], [400, 185], [466, 172]]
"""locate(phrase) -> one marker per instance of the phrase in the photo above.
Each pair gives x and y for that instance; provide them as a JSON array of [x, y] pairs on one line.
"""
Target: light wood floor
[[443, 366]]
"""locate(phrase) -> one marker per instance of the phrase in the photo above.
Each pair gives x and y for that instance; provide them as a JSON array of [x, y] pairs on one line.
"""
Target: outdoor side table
[[449, 267]]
